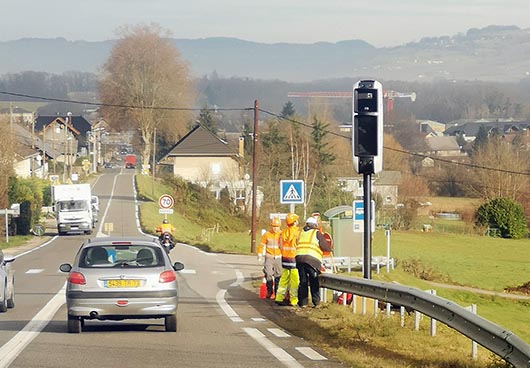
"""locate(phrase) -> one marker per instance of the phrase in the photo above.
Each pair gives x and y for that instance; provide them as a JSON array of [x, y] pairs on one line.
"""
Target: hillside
[[494, 53]]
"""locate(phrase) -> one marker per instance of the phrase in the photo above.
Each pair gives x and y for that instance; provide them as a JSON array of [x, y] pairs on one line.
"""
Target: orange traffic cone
[[263, 289]]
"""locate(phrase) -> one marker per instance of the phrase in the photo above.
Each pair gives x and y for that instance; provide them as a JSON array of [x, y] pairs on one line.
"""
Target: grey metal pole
[[254, 179], [367, 254]]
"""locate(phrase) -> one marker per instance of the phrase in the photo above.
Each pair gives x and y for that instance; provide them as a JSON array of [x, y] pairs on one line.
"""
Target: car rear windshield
[[135, 256]]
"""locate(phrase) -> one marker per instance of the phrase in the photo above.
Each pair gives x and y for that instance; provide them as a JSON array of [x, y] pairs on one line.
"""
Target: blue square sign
[[292, 191]]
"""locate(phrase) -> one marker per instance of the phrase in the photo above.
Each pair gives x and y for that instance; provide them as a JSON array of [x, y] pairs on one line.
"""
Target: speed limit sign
[[166, 201]]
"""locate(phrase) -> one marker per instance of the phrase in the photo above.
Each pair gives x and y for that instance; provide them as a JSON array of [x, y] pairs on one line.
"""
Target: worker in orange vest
[[289, 279], [269, 255]]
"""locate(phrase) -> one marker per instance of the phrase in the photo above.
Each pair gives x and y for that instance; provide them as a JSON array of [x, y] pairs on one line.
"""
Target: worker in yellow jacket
[[311, 244], [289, 279], [269, 255]]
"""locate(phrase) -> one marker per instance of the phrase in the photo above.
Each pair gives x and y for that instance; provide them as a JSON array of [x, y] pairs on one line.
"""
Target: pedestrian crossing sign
[[292, 191]]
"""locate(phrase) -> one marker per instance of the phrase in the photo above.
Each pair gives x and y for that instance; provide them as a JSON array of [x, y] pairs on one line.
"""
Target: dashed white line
[[284, 357], [278, 332], [311, 354], [258, 319], [34, 270]]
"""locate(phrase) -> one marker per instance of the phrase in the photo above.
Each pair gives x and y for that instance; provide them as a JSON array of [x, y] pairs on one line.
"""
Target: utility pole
[[254, 178], [153, 165]]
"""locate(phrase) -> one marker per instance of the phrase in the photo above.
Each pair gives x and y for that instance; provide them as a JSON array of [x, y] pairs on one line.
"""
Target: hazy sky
[[379, 22]]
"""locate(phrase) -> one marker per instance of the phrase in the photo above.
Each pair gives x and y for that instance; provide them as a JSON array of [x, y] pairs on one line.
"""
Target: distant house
[[431, 128], [61, 137], [469, 129], [443, 146], [385, 184], [17, 114], [77, 123], [202, 157], [31, 154]]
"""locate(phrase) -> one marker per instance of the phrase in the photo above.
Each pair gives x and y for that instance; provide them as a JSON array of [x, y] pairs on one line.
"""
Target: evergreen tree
[[206, 120], [288, 110], [481, 139]]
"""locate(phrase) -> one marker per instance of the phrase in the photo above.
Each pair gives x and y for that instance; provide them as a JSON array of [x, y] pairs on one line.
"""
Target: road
[[219, 318]]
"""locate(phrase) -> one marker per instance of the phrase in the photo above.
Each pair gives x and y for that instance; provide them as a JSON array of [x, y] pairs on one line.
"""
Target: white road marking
[[220, 297], [258, 319], [35, 270], [188, 271], [32, 250], [284, 357], [278, 332], [17, 344], [311, 354], [239, 279], [102, 221]]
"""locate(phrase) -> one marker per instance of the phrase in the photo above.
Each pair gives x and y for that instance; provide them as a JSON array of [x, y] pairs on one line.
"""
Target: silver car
[[121, 278], [7, 283]]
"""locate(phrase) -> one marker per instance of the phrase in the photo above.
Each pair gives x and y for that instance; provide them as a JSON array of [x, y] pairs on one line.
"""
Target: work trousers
[[288, 281], [308, 280], [272, 268]]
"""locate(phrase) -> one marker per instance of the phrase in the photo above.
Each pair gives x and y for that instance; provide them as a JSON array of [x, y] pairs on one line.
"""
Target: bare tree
[[146, 85], [499, 154]]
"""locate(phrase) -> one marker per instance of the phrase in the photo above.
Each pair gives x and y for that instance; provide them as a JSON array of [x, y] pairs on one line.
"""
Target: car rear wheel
[[171, 323], [74, 324], [11, 301]]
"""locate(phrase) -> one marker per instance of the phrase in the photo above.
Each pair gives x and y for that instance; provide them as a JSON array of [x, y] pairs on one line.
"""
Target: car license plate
[[122, 283]]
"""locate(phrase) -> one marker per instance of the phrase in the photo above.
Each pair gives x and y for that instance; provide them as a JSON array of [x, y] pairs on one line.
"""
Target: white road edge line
[[10, 350], [220, 297], [284, 357]]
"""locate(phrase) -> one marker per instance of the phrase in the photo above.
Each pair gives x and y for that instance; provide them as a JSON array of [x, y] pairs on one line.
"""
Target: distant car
[[121, 278], [7, 283]]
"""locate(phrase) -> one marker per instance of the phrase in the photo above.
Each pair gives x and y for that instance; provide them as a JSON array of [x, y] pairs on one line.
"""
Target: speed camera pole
[[367, 142]]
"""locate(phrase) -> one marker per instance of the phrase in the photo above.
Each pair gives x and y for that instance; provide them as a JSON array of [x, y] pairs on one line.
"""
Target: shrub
[[504, 214]]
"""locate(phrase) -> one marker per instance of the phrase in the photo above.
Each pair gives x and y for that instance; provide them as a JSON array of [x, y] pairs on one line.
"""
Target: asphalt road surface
[[219, 324]]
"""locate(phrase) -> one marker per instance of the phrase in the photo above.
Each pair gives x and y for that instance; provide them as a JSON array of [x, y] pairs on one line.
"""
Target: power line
[[116, 105], [278, 116]]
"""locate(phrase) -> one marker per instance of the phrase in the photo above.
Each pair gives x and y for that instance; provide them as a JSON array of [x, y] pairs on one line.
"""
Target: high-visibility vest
[[308, 244], [270, 244], [165, 228], [288, 246]]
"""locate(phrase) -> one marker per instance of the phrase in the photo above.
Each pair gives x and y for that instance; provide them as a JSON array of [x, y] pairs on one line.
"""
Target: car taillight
[[76, 278], [167, 276]]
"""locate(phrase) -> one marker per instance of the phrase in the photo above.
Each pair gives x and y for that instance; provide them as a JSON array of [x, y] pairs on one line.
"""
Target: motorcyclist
[[166, 229]]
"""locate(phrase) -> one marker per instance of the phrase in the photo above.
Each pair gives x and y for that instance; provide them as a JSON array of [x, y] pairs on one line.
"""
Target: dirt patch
[[521, 289]]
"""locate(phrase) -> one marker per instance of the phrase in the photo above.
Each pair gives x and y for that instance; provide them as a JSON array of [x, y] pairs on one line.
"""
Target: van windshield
[[72, 206]]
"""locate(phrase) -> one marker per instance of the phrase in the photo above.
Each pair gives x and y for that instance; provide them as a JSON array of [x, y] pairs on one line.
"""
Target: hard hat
[[275, 221], [165, 221], [291, 218], [311, 221]]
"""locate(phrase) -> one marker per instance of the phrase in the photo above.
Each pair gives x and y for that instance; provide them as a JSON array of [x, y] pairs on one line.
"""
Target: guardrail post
[[402, 316], [433, 321], [363, 302], [376, 307], [417, 318]]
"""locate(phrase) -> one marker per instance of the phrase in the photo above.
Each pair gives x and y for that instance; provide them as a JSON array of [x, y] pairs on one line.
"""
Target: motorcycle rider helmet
[[164, 221]]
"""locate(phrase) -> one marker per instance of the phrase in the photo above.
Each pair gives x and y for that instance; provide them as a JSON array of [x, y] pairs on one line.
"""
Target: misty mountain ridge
[[493, 53]]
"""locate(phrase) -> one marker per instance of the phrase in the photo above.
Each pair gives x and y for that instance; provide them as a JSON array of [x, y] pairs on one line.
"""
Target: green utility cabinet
[[347, 243]]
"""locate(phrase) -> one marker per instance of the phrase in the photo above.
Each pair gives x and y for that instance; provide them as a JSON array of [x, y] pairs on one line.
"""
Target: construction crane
[[388, 96]]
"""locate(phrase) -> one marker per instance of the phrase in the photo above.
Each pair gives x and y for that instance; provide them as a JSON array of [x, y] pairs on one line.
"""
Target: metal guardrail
[[491, 336]]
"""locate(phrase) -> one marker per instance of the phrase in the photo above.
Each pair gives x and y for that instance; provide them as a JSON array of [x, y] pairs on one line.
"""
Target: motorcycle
[[167, 242]]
